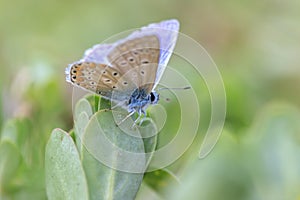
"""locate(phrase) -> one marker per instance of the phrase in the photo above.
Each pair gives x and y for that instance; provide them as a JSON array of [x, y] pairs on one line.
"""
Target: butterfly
[[127, 71]]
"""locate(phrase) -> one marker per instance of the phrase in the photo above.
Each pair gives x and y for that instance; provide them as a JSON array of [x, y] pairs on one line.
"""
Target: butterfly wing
[[97, 54], [87, 73], [165, 31], [99, 78], [134, 64], [137, 60]]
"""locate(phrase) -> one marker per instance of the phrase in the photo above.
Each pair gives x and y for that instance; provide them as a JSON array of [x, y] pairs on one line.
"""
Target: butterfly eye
[[74, 77], [107, 80], [142, 72], [74, 71], [114, 87], [152, 97], [125, 83]]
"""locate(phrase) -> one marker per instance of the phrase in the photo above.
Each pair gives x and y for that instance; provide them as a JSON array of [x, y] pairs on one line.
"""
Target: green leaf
[[83, 111], [112, 154], [65, 178], [94, 101], [83, 106], [148, 130], [10, 131], [1, 110], [104, 104], [80, 125], [19, 132], [161, 181], [149, 133], [9, 163]]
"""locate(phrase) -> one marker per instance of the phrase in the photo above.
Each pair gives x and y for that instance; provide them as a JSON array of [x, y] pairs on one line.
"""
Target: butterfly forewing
[[137, 60]]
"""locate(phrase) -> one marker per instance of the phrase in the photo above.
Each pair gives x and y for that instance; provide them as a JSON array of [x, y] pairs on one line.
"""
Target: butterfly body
[[140, 100], [127, 71]]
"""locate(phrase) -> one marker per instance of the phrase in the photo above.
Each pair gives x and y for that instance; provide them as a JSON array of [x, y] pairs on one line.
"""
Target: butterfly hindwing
[[100, 79]]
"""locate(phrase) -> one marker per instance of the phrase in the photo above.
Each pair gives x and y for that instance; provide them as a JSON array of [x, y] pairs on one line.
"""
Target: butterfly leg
[[123, 120], [137, 119], [140, 118], [144, 117]]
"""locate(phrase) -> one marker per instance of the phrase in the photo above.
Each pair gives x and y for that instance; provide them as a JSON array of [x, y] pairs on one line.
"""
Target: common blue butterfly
[[127, 71]]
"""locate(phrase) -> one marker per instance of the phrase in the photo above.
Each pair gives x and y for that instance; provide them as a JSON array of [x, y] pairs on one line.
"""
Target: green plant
[[73, 166]]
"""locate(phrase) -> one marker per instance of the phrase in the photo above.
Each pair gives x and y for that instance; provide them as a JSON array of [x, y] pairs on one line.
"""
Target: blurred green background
[[255, 44]]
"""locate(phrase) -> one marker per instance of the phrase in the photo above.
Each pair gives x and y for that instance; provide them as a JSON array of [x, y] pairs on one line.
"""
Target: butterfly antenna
[[177, 88], [164, 98]]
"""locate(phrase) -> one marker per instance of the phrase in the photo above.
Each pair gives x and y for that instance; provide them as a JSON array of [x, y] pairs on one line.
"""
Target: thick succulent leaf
[[94, 101], [149, 133], [147, 130], [80, 125], [65, 178], [103, 162], [9, 162], [83, 111], [10, 131], [83, 105]]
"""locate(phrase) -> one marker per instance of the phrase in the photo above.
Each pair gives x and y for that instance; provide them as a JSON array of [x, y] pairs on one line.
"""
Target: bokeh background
[[255, 44]]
